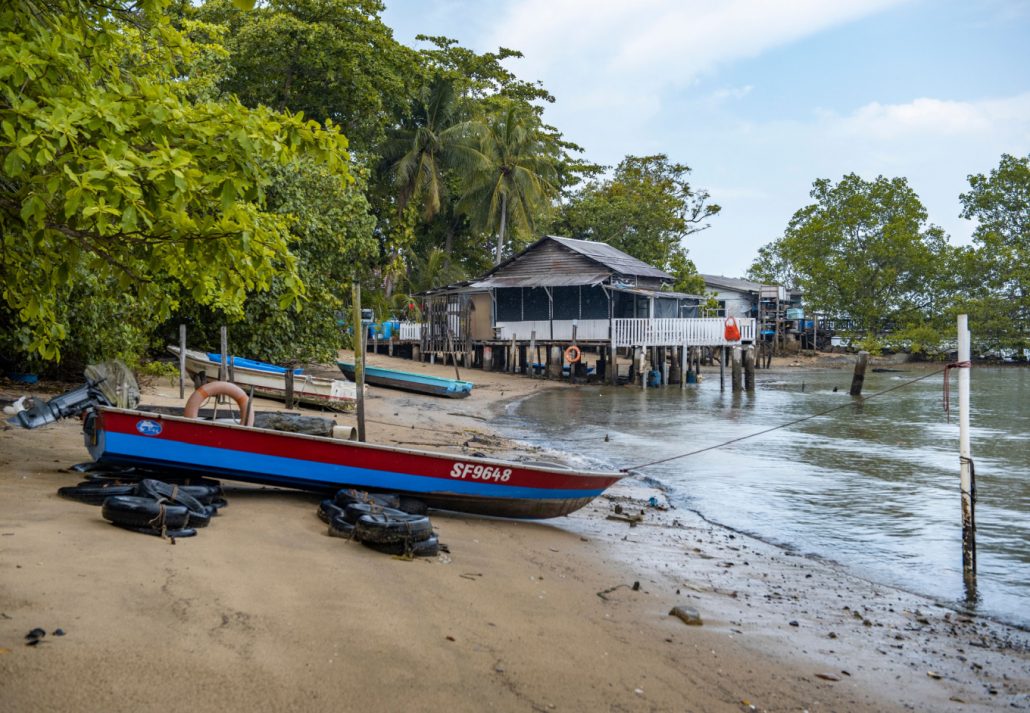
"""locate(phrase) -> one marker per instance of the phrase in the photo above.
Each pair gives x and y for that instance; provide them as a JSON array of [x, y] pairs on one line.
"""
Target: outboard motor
[[107, 384]]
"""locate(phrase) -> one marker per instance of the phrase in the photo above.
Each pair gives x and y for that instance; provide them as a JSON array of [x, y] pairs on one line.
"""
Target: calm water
[[874, 486]]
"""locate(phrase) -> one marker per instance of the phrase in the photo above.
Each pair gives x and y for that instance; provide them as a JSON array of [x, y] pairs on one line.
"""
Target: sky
[[762, 97]]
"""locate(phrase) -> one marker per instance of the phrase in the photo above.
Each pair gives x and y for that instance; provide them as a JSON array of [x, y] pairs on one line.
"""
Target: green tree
[[331, 230], [329, 59], [863, 251], [113, 168], [998, 291], [514, 175], [646, 209]]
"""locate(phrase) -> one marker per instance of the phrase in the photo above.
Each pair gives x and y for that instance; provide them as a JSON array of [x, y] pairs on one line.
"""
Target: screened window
[[535, 305], [509, 304], [666, 307], [566, 302], [593, 303]]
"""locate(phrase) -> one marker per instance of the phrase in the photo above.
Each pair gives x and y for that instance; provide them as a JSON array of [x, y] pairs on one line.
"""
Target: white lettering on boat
[[478, 471]]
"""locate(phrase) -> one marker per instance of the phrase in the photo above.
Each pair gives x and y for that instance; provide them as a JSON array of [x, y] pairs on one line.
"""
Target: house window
[[535, 304], [509, 304], [594, 301], [665, 307], [566, 302]]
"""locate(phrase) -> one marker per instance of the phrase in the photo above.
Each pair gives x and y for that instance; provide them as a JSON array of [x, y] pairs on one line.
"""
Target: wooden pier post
[[533, 356], [722, 370], [359, 358], [735, 377], [749, 369], [967, 483], [182, 361], [859, 378], [288, 384]]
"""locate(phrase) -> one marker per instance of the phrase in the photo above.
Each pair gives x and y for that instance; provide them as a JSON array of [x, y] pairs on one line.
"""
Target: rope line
[[785, 425]]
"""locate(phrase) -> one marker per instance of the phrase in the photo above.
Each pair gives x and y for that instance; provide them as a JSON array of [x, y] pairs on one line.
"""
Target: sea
[[872, 485]]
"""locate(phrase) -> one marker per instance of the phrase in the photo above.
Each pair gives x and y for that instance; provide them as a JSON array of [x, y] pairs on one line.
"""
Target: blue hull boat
[[406, 381]]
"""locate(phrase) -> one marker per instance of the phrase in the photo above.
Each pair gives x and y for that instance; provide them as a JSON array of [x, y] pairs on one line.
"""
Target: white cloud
[[926, 117], [660, 42]]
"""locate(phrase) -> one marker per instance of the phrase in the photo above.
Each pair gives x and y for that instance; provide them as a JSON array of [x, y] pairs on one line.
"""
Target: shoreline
[[512, 619]]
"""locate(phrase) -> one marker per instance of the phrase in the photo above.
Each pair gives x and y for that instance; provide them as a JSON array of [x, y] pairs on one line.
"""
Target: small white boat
[[269, 380]]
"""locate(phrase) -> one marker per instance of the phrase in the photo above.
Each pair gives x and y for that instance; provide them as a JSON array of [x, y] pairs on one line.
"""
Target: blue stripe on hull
[[279, 470]]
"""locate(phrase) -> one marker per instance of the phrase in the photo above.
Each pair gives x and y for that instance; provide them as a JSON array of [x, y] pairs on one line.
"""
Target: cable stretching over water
[[789, 423]]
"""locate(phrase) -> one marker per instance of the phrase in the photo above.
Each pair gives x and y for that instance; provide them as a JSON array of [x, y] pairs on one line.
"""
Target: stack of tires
[[391, 524], [150, 506]]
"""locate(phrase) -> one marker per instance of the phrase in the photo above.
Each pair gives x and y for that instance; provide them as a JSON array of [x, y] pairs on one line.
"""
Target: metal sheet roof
[[611, 257], [544, 280]]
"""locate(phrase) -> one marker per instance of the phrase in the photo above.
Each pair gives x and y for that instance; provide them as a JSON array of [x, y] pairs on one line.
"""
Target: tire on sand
[[147, 513], [387, 529]]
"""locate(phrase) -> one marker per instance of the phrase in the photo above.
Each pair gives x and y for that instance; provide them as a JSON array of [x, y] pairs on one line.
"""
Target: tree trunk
[[500, 233]]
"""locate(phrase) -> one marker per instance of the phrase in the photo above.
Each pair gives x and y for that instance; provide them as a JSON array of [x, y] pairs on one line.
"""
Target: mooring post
[[966, 471], [182, 361], [735, 376], [722, 370], [533, 356], [359, 359], [223, 370], [749, 369], [684, 350], [859, 378], [288, 380]]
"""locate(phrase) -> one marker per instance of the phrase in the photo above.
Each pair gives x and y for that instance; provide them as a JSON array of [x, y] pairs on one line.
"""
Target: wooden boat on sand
[[407, 381], [446, 481], [269, 380]]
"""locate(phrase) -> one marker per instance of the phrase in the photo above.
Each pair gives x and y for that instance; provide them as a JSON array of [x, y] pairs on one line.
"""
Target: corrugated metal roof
[[611, 257], [732, 283], [553, 279]]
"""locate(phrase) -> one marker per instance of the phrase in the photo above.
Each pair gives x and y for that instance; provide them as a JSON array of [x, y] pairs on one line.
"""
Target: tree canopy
[[113, 171], [646, 209], [863, 252]]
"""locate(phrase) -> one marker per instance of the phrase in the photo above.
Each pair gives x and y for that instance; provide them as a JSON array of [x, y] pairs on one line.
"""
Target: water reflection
[[873, 485]]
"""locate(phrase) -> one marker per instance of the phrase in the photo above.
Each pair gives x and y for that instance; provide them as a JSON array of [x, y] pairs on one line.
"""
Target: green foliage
[[646, 209], [513, 177], [863, 251], [998, 272], [111, 168], [329, 59], [332, 238]]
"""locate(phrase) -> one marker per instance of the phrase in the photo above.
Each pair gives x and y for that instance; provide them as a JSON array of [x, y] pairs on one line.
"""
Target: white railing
[[586, 330], [410, 332], [698, 332]]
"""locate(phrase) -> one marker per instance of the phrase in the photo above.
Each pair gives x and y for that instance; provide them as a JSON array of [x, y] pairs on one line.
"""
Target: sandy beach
[[263, 611]]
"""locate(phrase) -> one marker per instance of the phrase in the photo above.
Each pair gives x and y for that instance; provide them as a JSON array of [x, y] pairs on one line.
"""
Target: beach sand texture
[[262, 611]]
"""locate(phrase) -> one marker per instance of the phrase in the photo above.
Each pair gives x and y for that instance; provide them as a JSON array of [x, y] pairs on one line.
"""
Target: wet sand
[[264, 611]]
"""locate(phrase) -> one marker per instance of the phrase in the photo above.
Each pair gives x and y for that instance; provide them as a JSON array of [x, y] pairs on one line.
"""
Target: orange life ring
[[218, 388], [732, 332], [573, 354]]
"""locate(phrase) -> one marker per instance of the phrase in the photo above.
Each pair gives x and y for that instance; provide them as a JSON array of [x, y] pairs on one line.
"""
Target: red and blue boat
[[449, 482]]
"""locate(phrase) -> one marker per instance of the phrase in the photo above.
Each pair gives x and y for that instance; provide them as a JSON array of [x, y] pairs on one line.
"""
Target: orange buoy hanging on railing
[[217, 388], [732, 332]]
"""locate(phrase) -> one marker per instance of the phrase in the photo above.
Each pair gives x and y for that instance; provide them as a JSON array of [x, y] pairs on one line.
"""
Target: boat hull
[[336, 394], [406, 381], [444, 481]]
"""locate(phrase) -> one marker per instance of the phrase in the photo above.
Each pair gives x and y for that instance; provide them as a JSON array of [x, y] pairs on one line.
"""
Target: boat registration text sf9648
[[478, 471]]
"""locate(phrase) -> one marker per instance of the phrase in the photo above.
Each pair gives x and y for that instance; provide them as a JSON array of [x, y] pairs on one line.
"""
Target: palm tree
[[514, 177], [428, 142]]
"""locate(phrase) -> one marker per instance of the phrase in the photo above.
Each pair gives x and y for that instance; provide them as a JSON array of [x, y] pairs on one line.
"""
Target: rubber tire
[[349, 496], [327, 510], [93, 494], [353, 512], [386, 529], [412, 506], [426, 548], [339, 527], [177, 494], [131, 511]]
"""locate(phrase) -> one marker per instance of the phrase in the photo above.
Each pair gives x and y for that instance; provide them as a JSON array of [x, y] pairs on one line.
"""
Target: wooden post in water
[[359, 358], [722, 370], [735, 376], [859, 378], [182, 361], [749, 369], [533, 356], [966, 471]]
